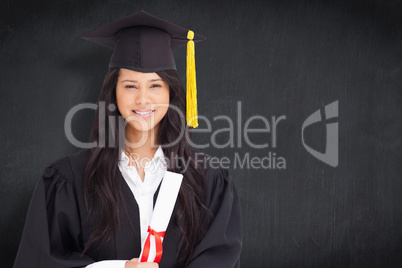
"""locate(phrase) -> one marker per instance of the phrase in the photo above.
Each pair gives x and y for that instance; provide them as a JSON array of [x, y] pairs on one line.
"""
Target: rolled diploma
[[163, 208]]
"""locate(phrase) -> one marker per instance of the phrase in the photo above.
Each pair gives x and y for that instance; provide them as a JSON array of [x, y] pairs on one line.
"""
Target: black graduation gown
[[56, 227]]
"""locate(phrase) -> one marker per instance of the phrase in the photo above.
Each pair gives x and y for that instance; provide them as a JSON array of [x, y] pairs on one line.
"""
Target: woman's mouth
[[143, 113]]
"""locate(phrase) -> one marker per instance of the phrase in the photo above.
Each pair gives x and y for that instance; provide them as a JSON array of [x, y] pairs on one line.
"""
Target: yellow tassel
[[192, 114]]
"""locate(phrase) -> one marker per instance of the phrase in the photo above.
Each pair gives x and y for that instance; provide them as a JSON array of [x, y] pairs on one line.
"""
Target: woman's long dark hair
[[102, 189]]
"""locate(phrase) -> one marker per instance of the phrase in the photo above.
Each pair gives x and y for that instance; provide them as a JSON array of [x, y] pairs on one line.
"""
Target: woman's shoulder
[[212, 167], [217, 177], [69, 167]]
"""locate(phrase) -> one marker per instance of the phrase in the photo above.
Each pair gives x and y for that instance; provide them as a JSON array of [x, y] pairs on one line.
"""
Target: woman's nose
[[142, 97]]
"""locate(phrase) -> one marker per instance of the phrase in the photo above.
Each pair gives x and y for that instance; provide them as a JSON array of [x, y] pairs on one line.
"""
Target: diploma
[[152, 248]]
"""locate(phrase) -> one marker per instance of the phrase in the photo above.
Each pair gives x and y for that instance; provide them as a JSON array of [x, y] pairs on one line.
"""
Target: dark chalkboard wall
[[277, 58]]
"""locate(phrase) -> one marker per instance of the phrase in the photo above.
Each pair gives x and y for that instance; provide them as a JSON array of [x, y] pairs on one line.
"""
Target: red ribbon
[[158, 245]]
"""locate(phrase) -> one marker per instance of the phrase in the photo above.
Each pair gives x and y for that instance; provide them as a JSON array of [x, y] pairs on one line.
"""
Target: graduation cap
[[144, 43]]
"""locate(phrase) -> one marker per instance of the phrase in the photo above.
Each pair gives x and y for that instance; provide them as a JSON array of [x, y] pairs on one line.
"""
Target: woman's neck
[[142, 143]]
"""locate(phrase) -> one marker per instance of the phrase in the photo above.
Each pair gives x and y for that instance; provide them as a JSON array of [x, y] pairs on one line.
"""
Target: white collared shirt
[[143, 192]]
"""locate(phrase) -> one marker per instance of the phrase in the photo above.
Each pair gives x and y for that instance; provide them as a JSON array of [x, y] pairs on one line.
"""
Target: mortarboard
[[144, 43]]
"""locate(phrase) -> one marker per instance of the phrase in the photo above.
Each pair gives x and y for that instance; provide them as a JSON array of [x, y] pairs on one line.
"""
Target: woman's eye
[[129, 86], [156, 85]]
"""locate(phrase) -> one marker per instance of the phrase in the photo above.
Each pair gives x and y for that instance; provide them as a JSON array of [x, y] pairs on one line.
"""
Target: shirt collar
[[158, 156]]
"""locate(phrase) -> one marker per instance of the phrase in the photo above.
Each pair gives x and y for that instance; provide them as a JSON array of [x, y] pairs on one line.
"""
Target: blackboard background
[[276, 57]]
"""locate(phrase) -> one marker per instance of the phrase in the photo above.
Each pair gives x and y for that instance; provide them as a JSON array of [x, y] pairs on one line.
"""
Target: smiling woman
[[106, 206], [143, 100]]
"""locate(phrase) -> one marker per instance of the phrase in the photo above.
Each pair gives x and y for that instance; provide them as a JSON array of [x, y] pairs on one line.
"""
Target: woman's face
[[142, 99]]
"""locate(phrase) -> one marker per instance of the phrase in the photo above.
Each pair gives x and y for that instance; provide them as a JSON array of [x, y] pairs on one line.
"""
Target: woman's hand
[[133, 263]]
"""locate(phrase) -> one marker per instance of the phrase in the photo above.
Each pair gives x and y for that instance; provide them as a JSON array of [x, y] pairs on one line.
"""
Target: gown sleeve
[[52, 231], [222, 242]]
